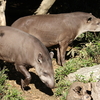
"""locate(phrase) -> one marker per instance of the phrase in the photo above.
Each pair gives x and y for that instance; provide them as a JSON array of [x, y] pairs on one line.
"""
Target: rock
[[84, 91], [79, 91], [86, 71]]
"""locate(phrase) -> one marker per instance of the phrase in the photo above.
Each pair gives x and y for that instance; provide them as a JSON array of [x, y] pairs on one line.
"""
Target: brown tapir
[[58, 29], [24, 50]]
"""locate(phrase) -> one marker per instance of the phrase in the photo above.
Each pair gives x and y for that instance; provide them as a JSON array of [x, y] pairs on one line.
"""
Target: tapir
[[26, 51], [58, 29]]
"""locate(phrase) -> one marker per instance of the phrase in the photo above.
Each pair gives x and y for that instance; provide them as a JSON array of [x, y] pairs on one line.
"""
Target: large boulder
[[86, 71]]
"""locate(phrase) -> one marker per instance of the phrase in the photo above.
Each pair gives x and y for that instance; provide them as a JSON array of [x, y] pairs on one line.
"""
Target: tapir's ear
[[51, 54], [89, 19], [40, 58]]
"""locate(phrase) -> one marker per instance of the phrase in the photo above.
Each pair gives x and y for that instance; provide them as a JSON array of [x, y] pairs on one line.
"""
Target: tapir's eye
[[45, 73], [40, 61], [89, 19]]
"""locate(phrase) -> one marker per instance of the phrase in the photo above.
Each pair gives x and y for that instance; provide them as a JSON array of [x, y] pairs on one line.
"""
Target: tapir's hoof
[[59, 63], [22, 84]]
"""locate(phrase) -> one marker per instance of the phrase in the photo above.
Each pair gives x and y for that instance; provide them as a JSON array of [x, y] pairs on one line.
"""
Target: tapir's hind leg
[[58, 56], [27, 75]]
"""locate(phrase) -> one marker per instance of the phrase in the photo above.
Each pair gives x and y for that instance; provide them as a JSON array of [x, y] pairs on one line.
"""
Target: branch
[[44, 6], [2, 12]]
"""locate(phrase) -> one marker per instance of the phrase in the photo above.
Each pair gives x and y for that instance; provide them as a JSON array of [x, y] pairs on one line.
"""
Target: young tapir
[[24, 50], [58, 29]]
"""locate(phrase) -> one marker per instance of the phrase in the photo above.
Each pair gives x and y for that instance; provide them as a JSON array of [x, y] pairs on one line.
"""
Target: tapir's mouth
[[47, 81]]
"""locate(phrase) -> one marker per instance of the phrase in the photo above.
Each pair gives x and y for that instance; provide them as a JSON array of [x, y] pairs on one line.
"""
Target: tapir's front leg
[[27, 75], [63, 47]]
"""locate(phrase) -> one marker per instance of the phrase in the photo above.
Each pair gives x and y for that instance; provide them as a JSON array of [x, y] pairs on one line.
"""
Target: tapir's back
[[13, 38], [48, 22], [17, 37]]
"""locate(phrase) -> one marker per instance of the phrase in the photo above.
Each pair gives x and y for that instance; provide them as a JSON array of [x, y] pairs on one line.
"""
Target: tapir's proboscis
[[58, 29], [24, 50]]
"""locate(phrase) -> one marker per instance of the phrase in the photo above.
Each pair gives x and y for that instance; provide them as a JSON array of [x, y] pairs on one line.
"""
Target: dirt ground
[[36, 90]]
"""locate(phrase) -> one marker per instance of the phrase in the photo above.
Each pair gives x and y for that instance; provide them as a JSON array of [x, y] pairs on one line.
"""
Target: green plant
[[89, 37], [71, 66], [12, 94], [3, 77], [62, 89], [6, 91], [93, 51]]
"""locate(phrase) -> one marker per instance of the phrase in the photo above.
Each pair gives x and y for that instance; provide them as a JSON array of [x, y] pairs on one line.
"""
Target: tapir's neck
[[80, 31]]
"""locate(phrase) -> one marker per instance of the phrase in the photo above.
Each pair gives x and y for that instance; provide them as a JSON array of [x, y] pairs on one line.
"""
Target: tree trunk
[[2, 12], [44, 6]]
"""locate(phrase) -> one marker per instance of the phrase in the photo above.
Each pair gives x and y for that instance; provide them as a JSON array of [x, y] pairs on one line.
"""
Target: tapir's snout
[[48, 81], [50, 85]]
